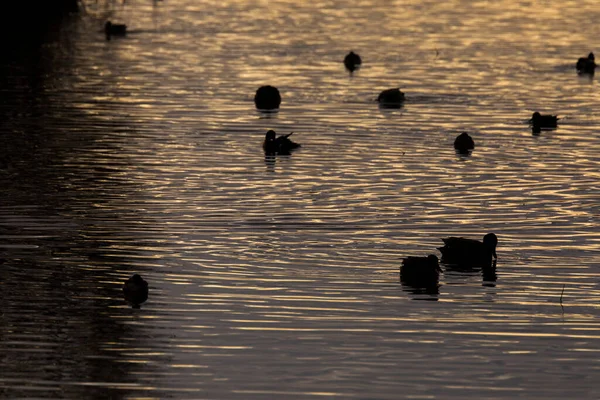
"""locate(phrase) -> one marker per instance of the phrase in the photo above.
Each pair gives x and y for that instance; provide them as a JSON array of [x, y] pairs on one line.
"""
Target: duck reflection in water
[[470, 255], [420, 275], [135, 291]]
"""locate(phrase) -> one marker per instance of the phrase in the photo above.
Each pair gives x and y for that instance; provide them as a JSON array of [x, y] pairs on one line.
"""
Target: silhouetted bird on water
[[586, 65], [111, 29], [267, 98], [135, 290], [420, 272], [464, 143], [461, 251], [278, 145], [539, 122], [391, 98], [352, 61]]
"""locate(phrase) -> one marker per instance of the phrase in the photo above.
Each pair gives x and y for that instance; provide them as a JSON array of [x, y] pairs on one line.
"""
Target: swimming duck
[[464, 143], [458, 250], [352, 61], [111, 29], [278, 145], [420, 271], [586, 65], [391, 98], [267, 98], [135, 290], [539, 121]]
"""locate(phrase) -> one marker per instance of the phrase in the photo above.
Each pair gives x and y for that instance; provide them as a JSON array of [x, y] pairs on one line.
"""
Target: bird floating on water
[[420, 272], [539, 121], [352, 61], [281, 145], [464, 143], [267, 98], [111, 29], [586, 65], [458, 250], [391, 98], [135, 290]]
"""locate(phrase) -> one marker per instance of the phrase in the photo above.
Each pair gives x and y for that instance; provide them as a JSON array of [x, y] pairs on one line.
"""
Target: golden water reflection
[[281, 278]]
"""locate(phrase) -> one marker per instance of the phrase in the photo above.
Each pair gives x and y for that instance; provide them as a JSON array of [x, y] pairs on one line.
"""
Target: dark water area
[[278, 276]]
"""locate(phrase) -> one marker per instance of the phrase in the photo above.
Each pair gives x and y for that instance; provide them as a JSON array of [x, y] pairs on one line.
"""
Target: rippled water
[[278, 278]]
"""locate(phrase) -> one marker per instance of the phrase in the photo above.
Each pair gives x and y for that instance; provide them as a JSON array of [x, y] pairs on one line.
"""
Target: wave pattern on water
[[279, 277]]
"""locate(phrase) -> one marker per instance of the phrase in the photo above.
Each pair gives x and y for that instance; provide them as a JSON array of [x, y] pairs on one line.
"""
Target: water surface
[[278, 277]]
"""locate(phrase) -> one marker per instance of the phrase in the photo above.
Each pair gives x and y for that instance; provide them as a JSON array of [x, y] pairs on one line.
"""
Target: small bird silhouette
[[352, 61], [586, 65], [464, 143], [281, 145], [135, 290], [267, 98], [539, 121], [111, 29], [420, 272], [458, 250], [391, 98]]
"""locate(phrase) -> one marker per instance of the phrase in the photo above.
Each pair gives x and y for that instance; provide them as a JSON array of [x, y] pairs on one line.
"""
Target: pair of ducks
[[585, 65], [424, 271], [268, 98], [464, 143]]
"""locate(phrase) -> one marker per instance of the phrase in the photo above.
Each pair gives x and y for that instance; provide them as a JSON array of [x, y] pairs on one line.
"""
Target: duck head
[[591, 57], [270, 136], [137, 279], [490, 241]]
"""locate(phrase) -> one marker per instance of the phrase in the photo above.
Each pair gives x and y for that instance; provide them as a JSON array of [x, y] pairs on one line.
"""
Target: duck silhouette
[[586, 65], [469, 252], [539, 122], [111, 29], [391, 98], [352, 61], [420, 272], [281, 145], [135, 290], [464, 143], [267, 98]]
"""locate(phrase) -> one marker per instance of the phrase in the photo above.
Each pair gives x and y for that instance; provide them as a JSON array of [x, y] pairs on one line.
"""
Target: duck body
[[352, 61], [267, 98], [135, 290], [391, 98], [539, 121], [420, 272], [464, 143], [111, 29], [281, 145], [586, 65], [470, 252]]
